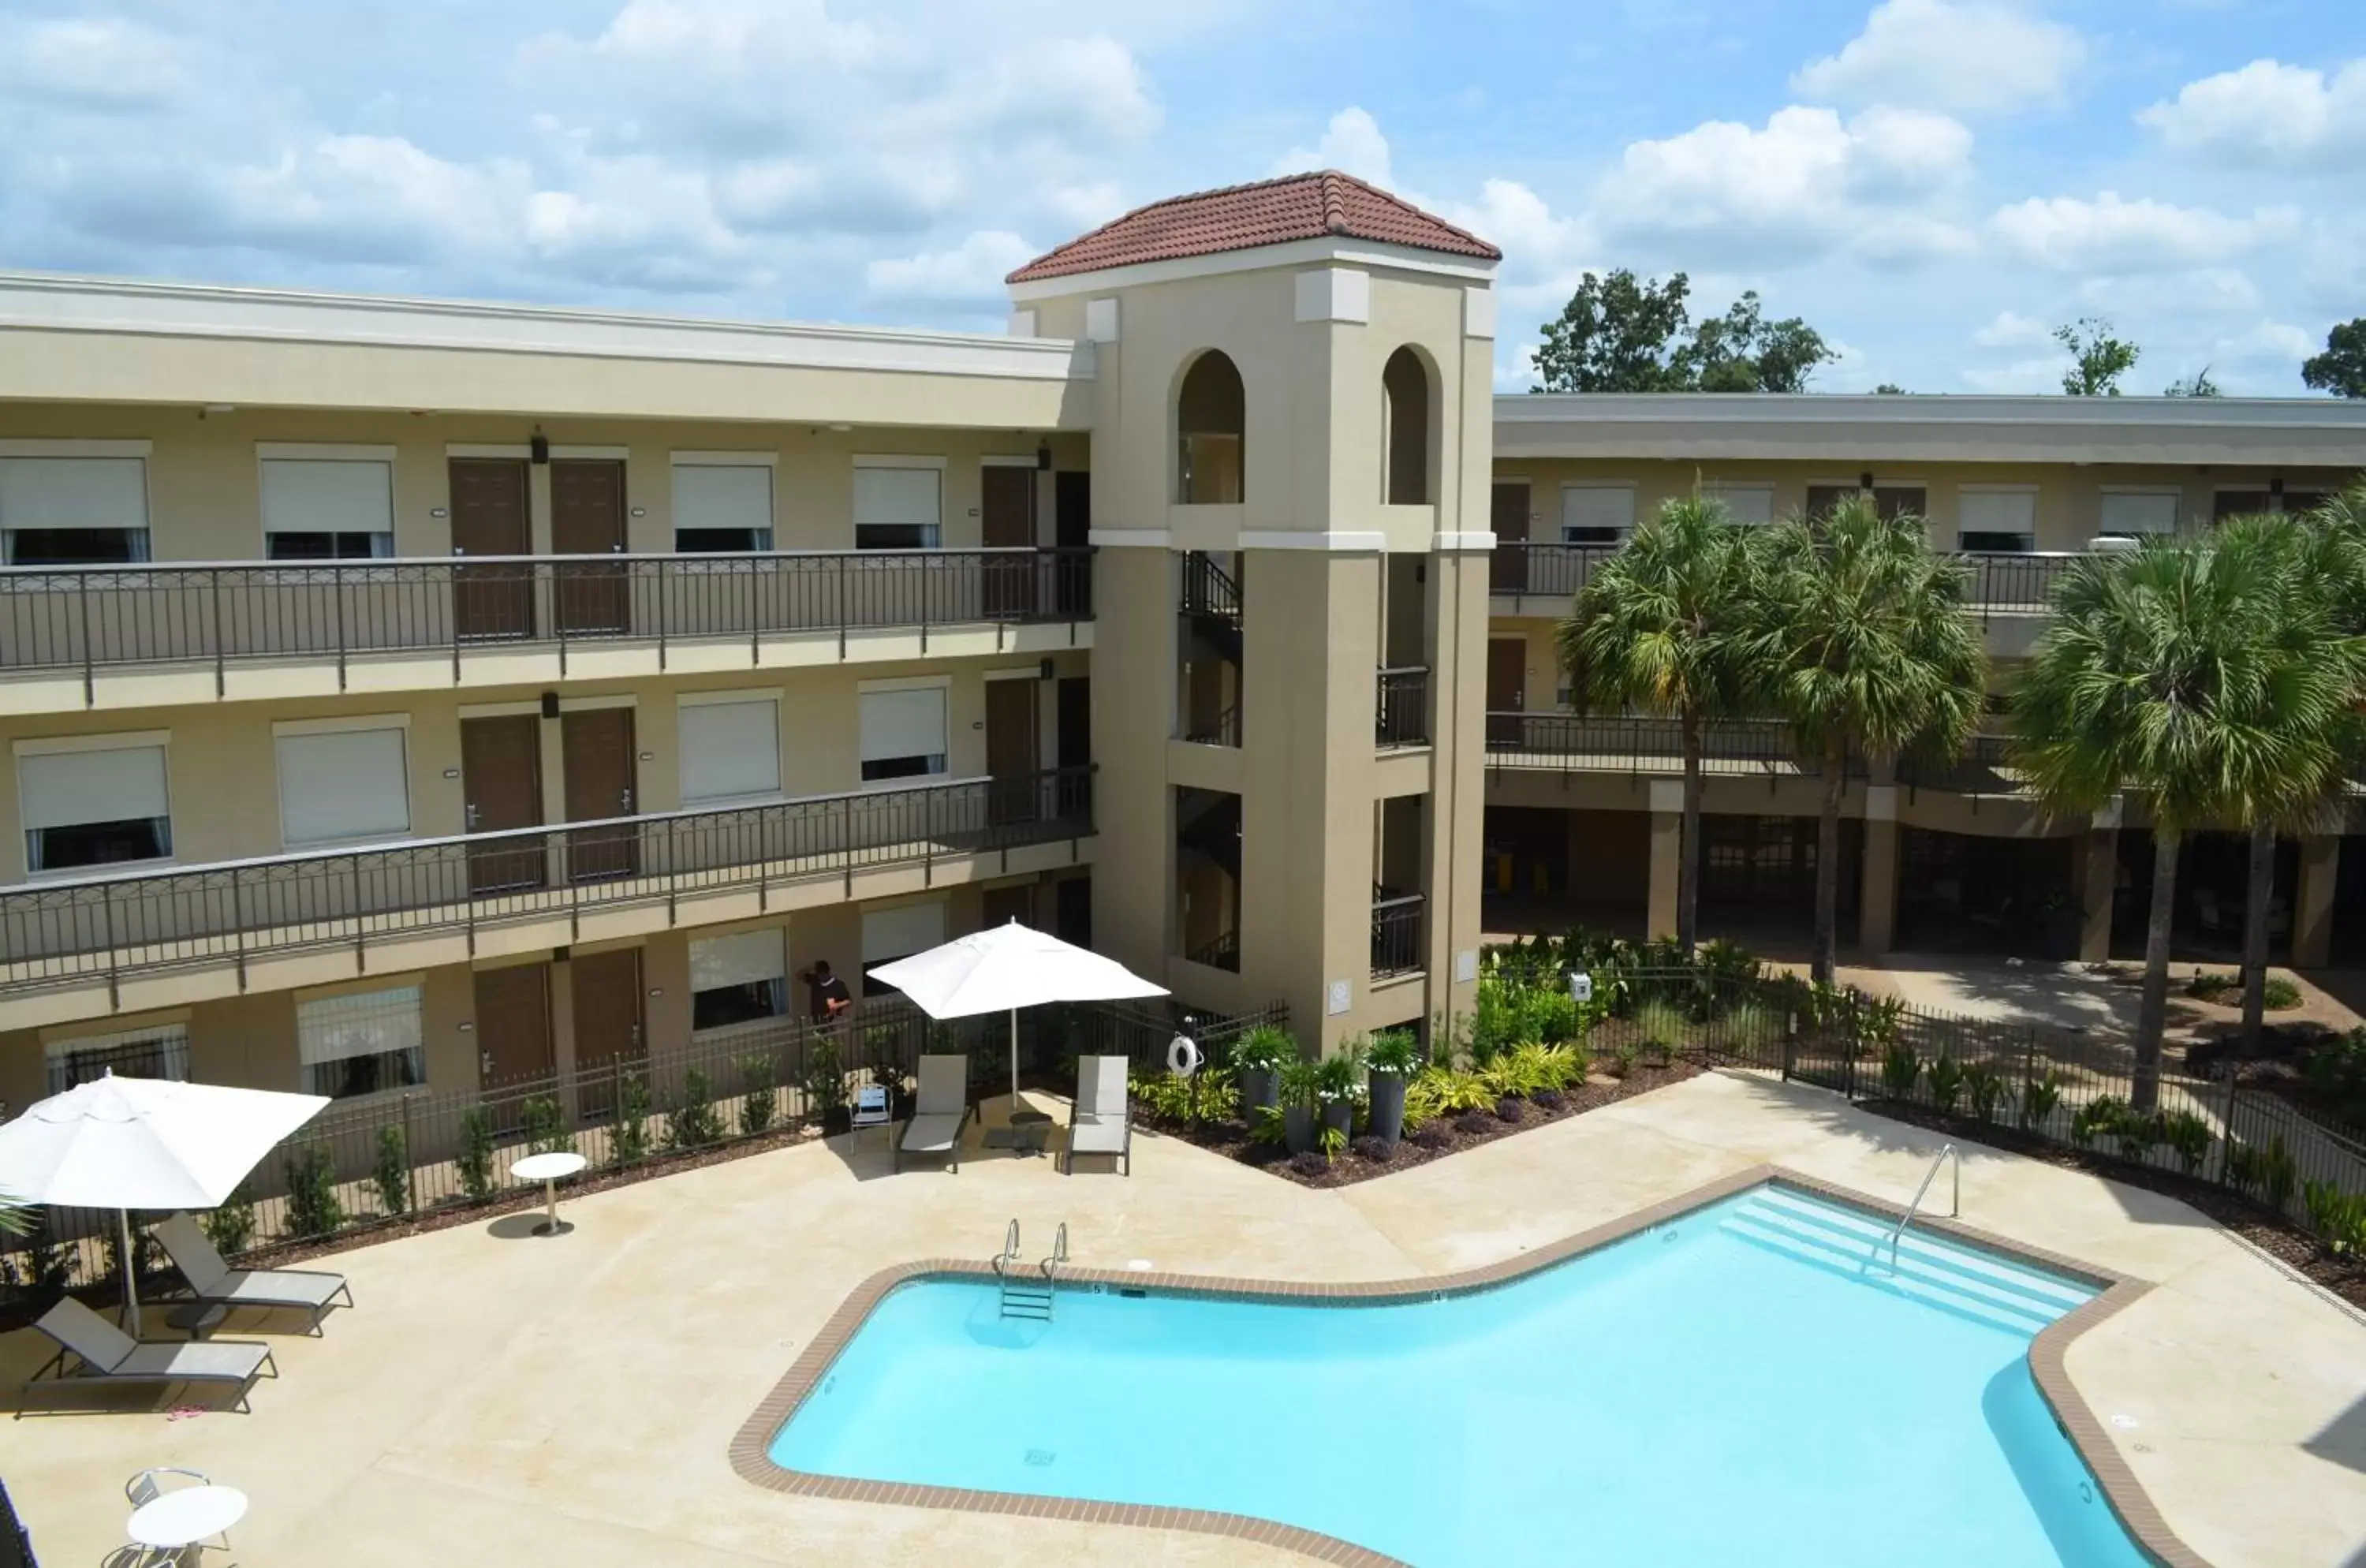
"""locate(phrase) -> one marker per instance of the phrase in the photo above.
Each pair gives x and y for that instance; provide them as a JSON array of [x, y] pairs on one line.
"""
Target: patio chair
[[90, 1349], [312, 1290], [1103, 1121], [873, 1107], [939, 1111]]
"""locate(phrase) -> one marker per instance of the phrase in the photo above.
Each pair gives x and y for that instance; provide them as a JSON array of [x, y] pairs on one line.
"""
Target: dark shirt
[[823, 992]]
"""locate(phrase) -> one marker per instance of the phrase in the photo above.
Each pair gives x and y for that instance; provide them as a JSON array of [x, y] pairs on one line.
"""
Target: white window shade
[[360, 1023], [896, 498], [708, 496], [901, 931], [904, 723], [156, 1050], [730, 751], [2136, 514], [66, 789], [1996, 512], [74, 493], [1754, 504], [303, 495], [1597, 507], [744, 958], [341, 785]]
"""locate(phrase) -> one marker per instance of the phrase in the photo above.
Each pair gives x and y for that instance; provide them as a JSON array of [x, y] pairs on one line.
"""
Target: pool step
[[1022, 1299], [1956, 1279]]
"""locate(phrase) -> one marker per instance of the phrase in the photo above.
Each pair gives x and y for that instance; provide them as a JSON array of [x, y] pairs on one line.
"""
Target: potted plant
[[1258, 1060], [1338, 1079], [1300, 1082], [1389, 1066]]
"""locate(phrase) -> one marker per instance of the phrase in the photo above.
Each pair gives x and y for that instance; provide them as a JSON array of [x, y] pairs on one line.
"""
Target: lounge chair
[[1103, 1122], [939, 1111], [90, 1349], [212, 1279]]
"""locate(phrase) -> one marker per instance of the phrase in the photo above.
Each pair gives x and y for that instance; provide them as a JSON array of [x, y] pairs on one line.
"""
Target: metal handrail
[[1010, 1252], [1955, 1204], [1059, 1253]]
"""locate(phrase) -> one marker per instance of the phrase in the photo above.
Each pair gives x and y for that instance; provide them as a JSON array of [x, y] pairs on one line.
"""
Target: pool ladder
[[1954, 1202], [1028, 1295]]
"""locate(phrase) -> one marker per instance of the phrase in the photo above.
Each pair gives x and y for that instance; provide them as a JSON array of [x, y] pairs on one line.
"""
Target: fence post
[[410, 1159], [2226, 1143]]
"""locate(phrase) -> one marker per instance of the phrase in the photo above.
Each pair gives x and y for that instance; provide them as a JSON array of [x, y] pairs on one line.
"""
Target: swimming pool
[[1734, 1385]]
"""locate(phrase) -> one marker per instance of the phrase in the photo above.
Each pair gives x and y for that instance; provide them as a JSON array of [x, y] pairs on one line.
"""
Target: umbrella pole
[[131, 1274], [1014, 1061]]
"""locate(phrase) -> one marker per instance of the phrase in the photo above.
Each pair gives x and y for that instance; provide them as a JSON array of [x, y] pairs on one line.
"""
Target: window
[[2305, 500], [327, 509], [722, 509], [738, 978], [343, 786], [1998, 520], [730, 751], [903, 733], [361, 1042], [1822, 499], [1753, 504], [1211, 415], [897, 508], [100, 804], [898, 932], [1894, 501], [158, 1051], [1596, 514], [73, 511], [2132, 513]]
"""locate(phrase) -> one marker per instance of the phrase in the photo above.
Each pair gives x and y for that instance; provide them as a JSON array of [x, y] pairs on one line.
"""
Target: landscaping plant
[[231, 1226], [474, 1159], [2338, 1218], [1258, 1057], [2099, 1115], [545, 1126], [2140, 1133], [2188, 1136], [2039, 1096], [628, 1135], [760, 1099], [1983, 1091], [692, 1122], [1946, 1081], [313, 1210], [391, 1176], [1899, 1070]]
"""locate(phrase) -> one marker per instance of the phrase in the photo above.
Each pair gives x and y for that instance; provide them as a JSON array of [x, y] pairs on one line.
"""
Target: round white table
[[547, 1169], [186, 1517]]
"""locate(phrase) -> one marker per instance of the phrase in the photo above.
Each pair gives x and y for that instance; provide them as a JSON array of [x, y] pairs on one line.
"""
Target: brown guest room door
[[501, 774], [598, 747], [1008, 522], [607, 988], [586, 518], [1011, 750], [1507, 514], [489, 518], [1507, 674]]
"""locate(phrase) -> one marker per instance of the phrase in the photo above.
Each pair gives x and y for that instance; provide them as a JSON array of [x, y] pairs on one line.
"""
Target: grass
[[2223, 988]]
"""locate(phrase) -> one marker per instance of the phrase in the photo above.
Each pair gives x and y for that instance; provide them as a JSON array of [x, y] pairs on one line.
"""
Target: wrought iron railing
[[64, 932], [1224, 953], [1396, 935], [1209, 589], [1629, 743], [2004, 581], [1519, 567], [1984, 768], [97, 617], [1401, 715], [2000, 580]]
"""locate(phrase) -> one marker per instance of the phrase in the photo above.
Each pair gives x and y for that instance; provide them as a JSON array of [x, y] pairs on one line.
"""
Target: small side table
[[548, 1169], [1030, 1132], [186, 1517]]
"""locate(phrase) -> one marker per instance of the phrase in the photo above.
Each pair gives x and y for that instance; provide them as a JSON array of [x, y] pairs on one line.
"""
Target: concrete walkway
[[498, 1398]]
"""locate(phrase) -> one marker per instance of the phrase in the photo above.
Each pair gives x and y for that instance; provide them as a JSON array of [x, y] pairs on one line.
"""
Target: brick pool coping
[[750, 1458]]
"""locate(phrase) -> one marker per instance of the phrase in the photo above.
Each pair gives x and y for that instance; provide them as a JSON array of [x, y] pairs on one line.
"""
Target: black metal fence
[[2000, 580], [1401, 711], [1396, 935], [88, 619], [395, 1159], [2013, 581], [52, 932], [1519, 567], [1576, 742]]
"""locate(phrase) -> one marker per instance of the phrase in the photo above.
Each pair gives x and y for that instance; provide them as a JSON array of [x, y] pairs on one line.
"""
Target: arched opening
[[1405, 413], [1210, 414]]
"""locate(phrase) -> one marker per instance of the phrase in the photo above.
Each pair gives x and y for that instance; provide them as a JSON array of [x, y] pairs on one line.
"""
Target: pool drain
[[1038, 1457]]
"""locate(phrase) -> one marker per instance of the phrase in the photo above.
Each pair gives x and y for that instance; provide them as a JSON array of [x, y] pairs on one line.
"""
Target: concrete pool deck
[[501, 1398]]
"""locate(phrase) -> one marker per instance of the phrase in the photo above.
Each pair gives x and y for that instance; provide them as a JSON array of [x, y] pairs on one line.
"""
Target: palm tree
[[1864, 647], [1658, 627], [2196, 675]]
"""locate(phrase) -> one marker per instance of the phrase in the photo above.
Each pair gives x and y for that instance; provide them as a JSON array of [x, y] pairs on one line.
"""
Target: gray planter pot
[[1260, 1087], [1340, 1113], [1298, 1129], [1388, 1090]]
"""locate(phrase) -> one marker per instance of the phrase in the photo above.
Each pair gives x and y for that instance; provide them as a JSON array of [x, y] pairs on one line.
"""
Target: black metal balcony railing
[[1578, 743], [1224, 953], [2000, 580], [1401, 715], [1396, 935], [104, 616], [52, 932], [1984, 768]]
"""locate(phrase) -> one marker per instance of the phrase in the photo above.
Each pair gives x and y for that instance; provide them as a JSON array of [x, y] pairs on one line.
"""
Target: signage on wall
[[1341, 992]]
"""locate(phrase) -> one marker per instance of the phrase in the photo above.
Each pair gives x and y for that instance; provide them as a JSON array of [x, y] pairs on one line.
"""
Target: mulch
[[1435, 1141]]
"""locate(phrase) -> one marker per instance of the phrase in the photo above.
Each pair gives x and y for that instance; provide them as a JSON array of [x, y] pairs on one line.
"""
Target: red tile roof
[[1270, 212]]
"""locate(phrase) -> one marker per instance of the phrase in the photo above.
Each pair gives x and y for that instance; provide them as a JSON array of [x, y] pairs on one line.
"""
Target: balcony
[[1629, 744], [1396, 935], [2001, 582], [385, 624], [435, 900], [1401, 715]]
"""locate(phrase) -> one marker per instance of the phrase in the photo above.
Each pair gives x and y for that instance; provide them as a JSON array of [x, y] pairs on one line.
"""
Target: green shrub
[[2139, 1135], [231, 1226], [1340, 1076], [2338, 1218], [391, 1176], [1899, 1070], [1265, 1048], [628, 1134], [474, 1159], [313, 1210], [1946, 1081], [545, 1126], [2188, 1136], [2039, 1096], [1983, 1091], [46, 1266], [692, 1122], [2098, 1116], [1392, 1051], [759, 1102], [1332, 1141], [2277, 1174], [1661, 1025], [2336, 1075], [2243, 1173], [2224, 988]]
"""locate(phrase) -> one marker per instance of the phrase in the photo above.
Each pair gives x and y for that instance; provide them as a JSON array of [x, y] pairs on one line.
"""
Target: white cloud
[[2204, 291], [1969, 57], [1808, 182], [2037, 375], [105, 61], [1544, 253], [969, 273], [2011, 329], [2268, 111], [1351, 143], [2112, 235]]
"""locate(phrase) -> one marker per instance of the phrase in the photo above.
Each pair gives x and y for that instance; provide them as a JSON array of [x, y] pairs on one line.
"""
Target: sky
[[1933, 185]]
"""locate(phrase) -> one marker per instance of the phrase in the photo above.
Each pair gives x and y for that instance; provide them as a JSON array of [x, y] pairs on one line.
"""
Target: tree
[[2100, 358], [1619, 334], [2198, 385], [1865, 645], [2165, 673], [1890, 390], [1661, 626], [2341, 369]]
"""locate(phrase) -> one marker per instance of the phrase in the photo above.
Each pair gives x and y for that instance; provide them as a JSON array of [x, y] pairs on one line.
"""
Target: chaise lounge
[[92, 1350], [1103, 1122], [939, 1111], [213, 1281]]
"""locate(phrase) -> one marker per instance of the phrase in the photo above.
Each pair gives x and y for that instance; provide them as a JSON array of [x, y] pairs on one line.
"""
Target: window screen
[[730, 751], [2130, 513], [73, 511], [2002, 521], [1743, 504], [897, 509], [903, 733], [738, 978], [1596, 514], [327, 509], [362, 1041], [722, 509], [340, 785], [96, 808]]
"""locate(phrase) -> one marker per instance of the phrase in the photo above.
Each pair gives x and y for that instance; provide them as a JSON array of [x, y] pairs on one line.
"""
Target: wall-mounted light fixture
[[539, 447], [1043, 456], [550, 704]]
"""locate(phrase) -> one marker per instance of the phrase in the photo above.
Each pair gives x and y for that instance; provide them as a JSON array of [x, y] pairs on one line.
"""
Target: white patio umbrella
[[126, 1143], [1004, 968]]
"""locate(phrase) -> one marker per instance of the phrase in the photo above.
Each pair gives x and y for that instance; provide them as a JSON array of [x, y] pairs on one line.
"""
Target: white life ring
[[1183, 1057]]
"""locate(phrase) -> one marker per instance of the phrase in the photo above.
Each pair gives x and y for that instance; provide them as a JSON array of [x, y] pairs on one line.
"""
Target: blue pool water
[[1735, 1387]]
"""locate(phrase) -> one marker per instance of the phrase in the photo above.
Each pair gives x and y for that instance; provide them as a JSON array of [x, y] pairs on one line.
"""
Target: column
[[1877, 893], [1667, 856], [2312, 936], [2099, 878]]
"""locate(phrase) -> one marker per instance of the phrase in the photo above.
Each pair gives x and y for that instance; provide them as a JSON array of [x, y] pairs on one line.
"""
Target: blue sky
[[1930, 183]]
